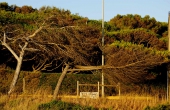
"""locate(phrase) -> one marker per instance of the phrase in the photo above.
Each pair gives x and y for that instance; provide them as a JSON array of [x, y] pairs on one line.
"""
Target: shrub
[[159, 107], [59, 105]]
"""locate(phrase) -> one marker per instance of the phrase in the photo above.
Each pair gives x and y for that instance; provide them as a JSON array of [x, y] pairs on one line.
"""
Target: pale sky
[[93, 8]]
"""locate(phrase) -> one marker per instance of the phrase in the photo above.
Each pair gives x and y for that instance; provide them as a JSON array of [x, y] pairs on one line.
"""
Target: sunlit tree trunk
[[16, 75], [60, 81], [19, 57], [18, 69]]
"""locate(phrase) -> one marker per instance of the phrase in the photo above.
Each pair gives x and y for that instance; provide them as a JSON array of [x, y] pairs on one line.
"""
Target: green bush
[[159, 107], [59, 105]]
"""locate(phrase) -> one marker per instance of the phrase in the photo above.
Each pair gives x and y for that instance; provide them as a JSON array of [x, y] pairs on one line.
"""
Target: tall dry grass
[[125, 102], [119, 103], [25, 101]]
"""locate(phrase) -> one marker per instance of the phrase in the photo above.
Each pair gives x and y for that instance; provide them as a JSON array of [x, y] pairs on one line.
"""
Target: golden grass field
[[124, 102]]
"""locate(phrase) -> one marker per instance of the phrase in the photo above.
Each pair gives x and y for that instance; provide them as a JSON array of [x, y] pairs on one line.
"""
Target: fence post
[[98, 88], [119, 88], [77, 89], [168, 64], [23, 86]]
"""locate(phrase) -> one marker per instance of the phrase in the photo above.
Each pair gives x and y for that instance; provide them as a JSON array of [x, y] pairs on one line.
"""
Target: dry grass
[[119, 103], [127, 102], [25, 101], [31, 102]]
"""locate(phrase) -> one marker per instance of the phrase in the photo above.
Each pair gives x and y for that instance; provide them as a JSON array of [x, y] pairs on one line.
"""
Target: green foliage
[[59, 105], [26, 20], [14, 8], [133, 46], [139, 36], [69, 83], [159, 107], [3, 6], [130, 21], [135, 29], [76, 17]]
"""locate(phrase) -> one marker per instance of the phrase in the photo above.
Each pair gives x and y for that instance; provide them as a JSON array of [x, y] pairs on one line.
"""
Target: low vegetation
[[40, 100], [38, 94]]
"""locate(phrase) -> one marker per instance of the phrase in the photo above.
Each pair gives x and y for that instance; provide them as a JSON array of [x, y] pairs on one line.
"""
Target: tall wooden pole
[[169, 51], [169, 31], [102, 47]]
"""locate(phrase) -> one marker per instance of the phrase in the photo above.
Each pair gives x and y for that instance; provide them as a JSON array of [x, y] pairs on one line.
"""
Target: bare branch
[[68, 27], [9, 48], [32, 49], [39, 66], [34, 34], [30, 58], [4, 40]]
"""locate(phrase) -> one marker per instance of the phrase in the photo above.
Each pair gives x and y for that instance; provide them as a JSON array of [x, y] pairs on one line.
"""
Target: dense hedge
[[48, 81], [36, 81]]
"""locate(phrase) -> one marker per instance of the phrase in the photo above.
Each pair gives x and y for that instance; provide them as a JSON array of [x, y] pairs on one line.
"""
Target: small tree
[[19, 58], [54, 44]]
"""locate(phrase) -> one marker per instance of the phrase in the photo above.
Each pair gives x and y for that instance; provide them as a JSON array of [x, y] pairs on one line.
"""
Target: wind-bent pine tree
[[19, 57]]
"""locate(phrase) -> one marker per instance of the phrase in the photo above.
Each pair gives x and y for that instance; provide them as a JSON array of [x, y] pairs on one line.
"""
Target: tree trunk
[[60, 81], [20, 58], [17, 72]]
